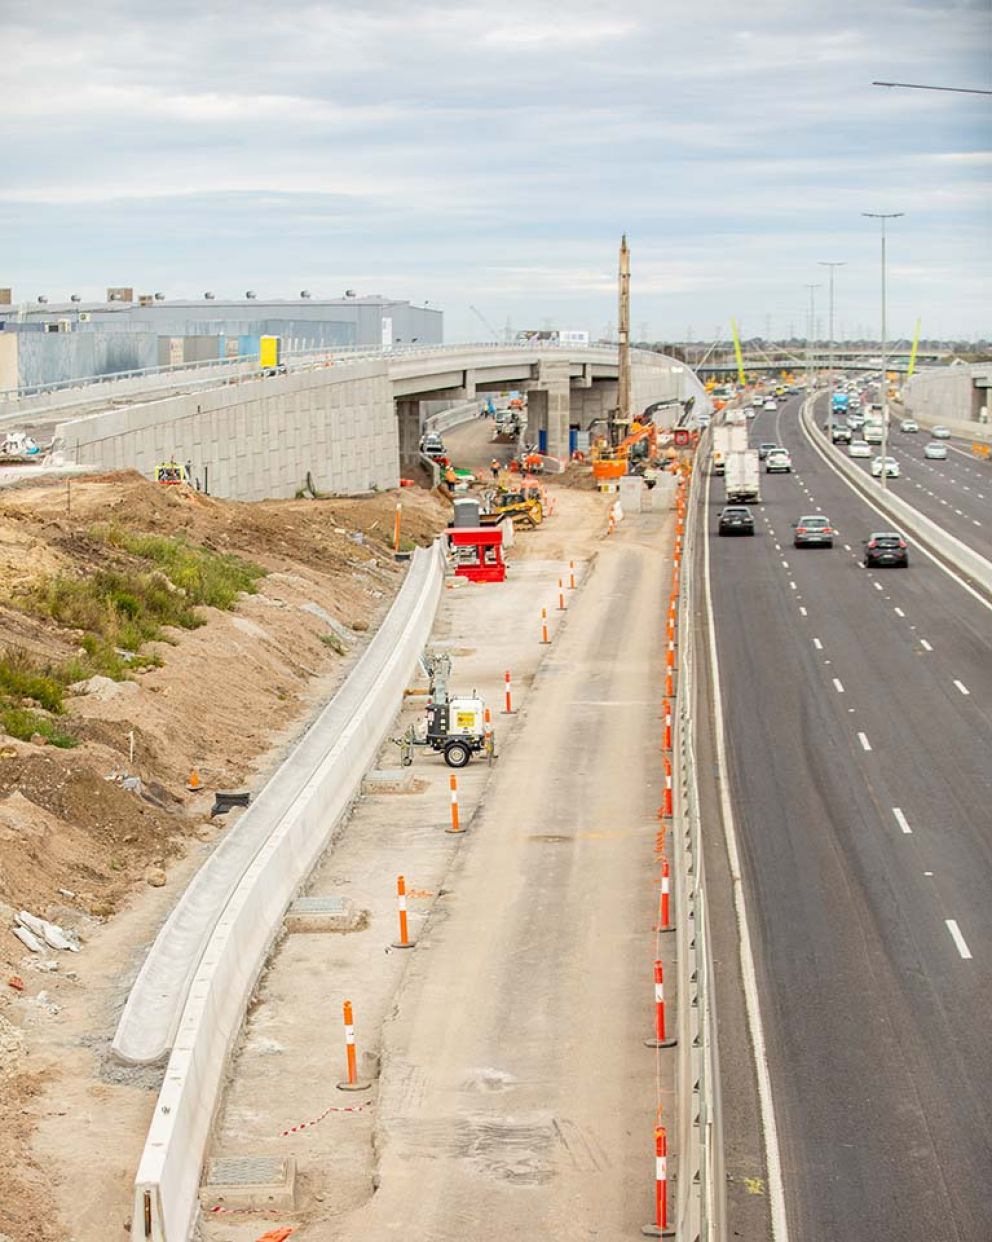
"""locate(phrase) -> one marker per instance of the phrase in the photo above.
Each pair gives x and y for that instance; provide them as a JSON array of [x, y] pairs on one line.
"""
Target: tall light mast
[[623, 361]]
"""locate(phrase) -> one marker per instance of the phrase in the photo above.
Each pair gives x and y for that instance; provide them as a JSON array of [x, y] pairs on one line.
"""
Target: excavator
[[639, 445]]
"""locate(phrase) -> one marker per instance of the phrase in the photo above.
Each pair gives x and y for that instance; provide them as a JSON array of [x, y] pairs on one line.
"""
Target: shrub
[[23, 724]]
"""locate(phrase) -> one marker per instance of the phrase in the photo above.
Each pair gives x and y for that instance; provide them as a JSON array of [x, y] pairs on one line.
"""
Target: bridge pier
[[408, 423], [549, 406]]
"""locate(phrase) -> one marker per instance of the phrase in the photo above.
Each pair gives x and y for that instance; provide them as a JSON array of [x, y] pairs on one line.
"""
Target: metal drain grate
[[320, 905], [247, 1171]]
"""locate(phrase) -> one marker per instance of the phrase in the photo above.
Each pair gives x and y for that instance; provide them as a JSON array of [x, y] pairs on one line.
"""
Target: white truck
[[726, 440], [742, 477]]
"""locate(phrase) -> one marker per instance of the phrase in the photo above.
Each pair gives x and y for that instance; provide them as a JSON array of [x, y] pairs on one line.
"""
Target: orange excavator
[[640, 443]]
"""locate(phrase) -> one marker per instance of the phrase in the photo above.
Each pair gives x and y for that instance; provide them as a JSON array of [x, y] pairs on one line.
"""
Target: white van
[[872, 430]]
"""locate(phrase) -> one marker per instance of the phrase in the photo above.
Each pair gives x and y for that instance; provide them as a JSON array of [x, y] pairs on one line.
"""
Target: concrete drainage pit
[[247, 1182]]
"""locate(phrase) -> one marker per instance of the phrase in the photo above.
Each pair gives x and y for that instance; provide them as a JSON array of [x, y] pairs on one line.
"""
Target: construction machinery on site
[[455, 725]]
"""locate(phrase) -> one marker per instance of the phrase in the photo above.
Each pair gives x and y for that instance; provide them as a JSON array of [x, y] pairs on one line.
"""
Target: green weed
[[23, 724]]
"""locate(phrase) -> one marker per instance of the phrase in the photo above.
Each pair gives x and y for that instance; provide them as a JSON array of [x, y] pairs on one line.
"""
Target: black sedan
[[886, 547], [736, 520]]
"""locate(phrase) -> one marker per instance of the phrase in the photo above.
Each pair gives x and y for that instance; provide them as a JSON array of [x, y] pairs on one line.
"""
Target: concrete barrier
[[166, 1186], [966, 561]]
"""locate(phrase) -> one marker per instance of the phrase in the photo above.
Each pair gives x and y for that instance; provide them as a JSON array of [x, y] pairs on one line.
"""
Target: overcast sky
[[491, 154]]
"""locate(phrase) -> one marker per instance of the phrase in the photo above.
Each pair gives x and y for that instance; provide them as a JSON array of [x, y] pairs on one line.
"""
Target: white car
[[909, 424], [888, 464], [940, 433], [769, 405], [750, 412], [778, 460], [935, 452], [859, 448]]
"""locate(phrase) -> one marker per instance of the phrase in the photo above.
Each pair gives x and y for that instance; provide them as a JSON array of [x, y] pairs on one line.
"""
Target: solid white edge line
[[901, 820], [918, 546], [773, 1161], [959, 940]]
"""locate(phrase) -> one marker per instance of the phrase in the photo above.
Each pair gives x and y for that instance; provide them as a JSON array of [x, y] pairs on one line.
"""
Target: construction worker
[[494, 468], [449, 476]]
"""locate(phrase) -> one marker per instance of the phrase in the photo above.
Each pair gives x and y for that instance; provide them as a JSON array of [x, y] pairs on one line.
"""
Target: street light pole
[[809, 336], [883, 216], [830, 351]]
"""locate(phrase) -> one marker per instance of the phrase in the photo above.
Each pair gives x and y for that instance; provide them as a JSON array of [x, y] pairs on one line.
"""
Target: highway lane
[[862, 786], [956, 493]]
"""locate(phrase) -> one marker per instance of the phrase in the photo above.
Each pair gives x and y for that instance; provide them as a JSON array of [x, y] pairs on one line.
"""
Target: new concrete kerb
[[247, 918]]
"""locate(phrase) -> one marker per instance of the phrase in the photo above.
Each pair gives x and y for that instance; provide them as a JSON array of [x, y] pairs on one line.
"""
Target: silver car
[[940, 433], [935, 452]]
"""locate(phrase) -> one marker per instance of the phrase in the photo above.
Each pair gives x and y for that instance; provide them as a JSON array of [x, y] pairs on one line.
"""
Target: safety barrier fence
[[700, 1195], [965, 560], [248, 915]]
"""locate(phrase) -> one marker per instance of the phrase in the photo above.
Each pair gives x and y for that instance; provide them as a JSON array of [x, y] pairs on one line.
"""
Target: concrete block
[[244, 1182], [388, 781]]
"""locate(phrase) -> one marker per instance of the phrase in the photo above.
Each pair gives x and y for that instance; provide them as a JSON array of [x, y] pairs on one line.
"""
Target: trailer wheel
[[456, 754]]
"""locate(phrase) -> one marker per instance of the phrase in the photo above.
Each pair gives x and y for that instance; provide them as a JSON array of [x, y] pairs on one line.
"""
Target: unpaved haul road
[[517, 1097]]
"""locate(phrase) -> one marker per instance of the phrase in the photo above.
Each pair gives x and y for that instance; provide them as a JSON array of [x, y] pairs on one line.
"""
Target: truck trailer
[[742, 477], [727, 440]]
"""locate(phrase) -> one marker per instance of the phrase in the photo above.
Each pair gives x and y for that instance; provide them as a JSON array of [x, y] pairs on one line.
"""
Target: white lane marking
[[961, 686], [899, 612], [847, 547], [792, 586], [817, 644], [877, 586], [838, 686], [959, 940], [785, 564], [925, 645], [865, 744], [803, 612], [959, 513], [749, 977], [901, 820]]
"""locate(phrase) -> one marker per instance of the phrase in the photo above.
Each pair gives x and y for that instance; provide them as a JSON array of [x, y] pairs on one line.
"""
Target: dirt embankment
[[101, 725]]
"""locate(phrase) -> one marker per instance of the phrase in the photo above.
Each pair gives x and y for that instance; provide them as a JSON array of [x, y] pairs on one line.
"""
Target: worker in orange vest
[[494, 467], [450, 477]]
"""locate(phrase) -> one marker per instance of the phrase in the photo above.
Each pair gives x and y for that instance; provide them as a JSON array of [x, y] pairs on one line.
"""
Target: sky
[[490, 155]]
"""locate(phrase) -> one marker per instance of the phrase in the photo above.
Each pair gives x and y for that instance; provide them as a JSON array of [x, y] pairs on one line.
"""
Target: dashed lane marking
[[959, 940], [792, 586], [925, 645], [817, 644], [898, 611], [901, 820], [961, 686], [865, 744], [803, 612], [838, 685]]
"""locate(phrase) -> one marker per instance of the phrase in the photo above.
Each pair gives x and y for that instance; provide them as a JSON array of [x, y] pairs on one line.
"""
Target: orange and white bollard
[[561, 596], [351, 1083], [404, 941], [670, 653], [660, 1227], [544, 626], [455, 824], [666, 738], [508, 698], [670, 627], [571, 575], [666, 809], [664, 901], [396, 526], [660, 1040], [669, 684]]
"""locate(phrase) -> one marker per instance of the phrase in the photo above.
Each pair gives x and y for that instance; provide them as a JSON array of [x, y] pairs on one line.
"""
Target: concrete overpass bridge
[[722, 363], [350, 419]]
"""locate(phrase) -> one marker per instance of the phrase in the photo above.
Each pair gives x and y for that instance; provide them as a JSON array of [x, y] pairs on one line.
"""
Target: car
[[432, 445], [909, 424], [935, 452], [750, 412], [736, 520], [765, 449], [888, 464], [778, 461], [940, 433], [840, 433], [886, 547], [855, 421], [859, 448], [813, 531], [770, 405]]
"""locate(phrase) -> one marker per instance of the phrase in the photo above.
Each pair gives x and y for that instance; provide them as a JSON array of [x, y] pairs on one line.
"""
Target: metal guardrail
[[700, 1206], [946, 547]]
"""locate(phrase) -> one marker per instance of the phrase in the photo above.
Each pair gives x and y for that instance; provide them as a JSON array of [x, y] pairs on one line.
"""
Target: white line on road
[[898, 611], [961, 686], [865, 744], [847, 547], [925, 645], [803, 612], [792, 586], [877, 586], [958, 939], [838, 686], [785, 564], [752, 1005], [901, 820], [817, 644]]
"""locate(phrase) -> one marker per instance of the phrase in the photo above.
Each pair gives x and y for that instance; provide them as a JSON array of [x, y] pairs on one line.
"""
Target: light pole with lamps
[[809, 338], [830, 350], [883, 216]]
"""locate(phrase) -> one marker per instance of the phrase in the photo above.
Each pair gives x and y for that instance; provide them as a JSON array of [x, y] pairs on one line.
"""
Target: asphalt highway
[[957, 492], [858, 720]]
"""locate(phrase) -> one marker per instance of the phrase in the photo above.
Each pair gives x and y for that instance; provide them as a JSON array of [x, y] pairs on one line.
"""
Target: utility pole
[[809, 337], [623, 333], [830, 349], [883, 216]]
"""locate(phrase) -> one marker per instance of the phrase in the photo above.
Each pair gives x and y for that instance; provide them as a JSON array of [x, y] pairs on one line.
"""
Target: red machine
[[680, 437], [478, 552]]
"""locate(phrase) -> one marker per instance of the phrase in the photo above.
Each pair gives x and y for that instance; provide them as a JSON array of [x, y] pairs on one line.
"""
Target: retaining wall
[[348, 735]]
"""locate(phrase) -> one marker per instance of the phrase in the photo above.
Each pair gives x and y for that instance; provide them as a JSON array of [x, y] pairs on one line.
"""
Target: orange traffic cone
[[194, 783]]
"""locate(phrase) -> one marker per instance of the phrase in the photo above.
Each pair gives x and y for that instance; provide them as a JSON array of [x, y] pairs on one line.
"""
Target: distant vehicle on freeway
[[736, 520], [840, 433], [765, 449], [770, 405], [873, 431], [940, 433], [813, 531], [909, 424], [855, 421], [778, 461], [887, 464], [935, 452], [886, 547], [859, 448]]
